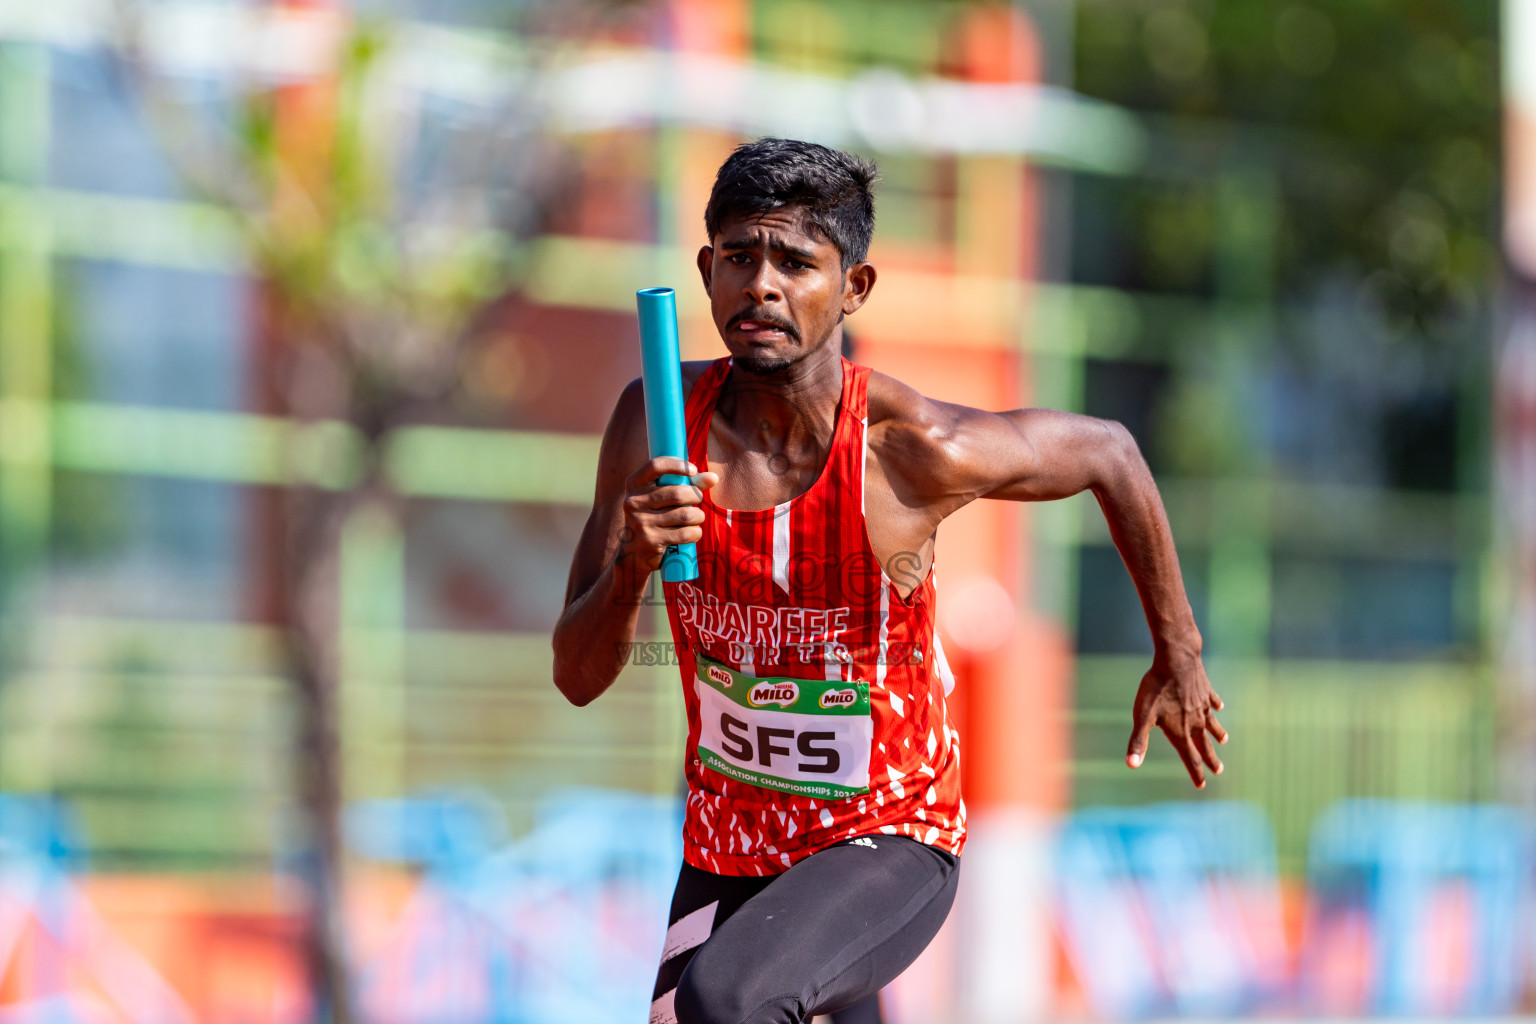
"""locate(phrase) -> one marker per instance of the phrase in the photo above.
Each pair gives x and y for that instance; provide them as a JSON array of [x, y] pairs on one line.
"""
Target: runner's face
[[776, 287]]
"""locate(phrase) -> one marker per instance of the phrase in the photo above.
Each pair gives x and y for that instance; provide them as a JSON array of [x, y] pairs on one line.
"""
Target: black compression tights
[[823, 937]]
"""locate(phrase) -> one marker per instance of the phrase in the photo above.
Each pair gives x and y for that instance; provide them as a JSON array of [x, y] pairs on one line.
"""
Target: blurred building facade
[[1329, 494], [1301, 286], [1515, 412]]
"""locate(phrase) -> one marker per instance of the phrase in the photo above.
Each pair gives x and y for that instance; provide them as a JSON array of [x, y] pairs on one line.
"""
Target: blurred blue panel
[[101, 140], [564, 924], [40, 828], [1361, 607], [1172, 909], [153, 336], [1396, 861], [148, 548], [1354, 401], [1110, 619], [444, 832]]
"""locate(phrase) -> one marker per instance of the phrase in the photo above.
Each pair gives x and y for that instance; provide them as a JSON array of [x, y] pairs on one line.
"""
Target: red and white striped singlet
[[815, 707]]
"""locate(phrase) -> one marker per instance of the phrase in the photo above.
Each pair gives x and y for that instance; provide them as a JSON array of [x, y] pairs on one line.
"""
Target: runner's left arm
[[1044, 455]]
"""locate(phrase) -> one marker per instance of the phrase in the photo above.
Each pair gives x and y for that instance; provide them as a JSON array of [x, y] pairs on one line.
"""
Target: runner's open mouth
[[764, 328]]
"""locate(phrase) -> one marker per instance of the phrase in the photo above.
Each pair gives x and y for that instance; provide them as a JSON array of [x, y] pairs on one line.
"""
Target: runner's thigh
[[828, 932], [701, 902]]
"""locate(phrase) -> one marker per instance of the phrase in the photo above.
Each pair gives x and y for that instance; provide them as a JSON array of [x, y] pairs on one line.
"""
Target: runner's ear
[[858, 282], [706, 261]]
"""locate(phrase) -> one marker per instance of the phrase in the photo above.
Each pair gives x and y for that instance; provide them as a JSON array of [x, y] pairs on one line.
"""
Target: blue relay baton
[[661, 370]]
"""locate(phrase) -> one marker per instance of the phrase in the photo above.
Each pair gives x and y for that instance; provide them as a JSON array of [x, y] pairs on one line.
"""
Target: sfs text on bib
[[802, 736]]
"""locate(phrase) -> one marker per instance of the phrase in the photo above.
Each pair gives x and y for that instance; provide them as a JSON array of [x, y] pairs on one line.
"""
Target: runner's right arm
[[631, 525]]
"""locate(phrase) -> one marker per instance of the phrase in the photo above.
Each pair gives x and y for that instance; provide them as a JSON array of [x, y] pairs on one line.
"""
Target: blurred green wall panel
[[451, 462], [1304, 734]]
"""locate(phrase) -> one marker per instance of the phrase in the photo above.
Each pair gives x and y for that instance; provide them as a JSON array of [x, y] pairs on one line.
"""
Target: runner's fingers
[[1215, 728], [1187, 754], [1191, 759], [648, 508], [676, 494], [1207, 751], [682, 515], [646, 476], [1141, 732], [1216, 701]]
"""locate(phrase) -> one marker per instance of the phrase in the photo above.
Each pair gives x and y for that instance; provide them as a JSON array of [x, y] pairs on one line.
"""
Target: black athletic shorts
[[821, 938]]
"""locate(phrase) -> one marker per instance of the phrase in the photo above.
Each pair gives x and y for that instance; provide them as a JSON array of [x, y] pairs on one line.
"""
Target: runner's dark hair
[[836, 188]]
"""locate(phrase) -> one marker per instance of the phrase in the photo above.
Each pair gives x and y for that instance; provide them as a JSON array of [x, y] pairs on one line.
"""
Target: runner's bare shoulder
[[927, 449], [908, 432]]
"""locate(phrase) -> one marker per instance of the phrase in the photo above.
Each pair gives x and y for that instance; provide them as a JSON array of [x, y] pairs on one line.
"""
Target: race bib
[[802, 736]]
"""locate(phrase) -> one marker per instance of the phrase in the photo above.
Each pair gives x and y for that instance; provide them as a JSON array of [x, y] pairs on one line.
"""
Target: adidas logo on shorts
[[864, 841]]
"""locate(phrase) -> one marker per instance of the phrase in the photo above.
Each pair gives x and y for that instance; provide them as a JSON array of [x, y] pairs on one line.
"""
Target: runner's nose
[[763, 286]]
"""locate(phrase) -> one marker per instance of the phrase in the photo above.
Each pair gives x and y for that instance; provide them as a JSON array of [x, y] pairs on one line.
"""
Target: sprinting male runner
[[824, 822]]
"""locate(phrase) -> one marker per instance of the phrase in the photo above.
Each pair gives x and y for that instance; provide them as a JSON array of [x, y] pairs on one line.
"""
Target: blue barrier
[[39, 827], [40, 848], [565, 923], [1391, 860], [1172, 908], [1168, 909]]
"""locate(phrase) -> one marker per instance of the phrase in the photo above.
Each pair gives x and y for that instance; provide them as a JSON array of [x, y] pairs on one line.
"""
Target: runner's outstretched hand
[[1176, 696]]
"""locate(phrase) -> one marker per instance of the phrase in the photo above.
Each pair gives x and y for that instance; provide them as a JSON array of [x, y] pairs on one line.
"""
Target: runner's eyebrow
[[747, 242]]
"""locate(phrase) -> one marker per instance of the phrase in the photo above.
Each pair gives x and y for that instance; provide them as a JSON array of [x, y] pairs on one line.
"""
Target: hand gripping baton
[[661, 370]]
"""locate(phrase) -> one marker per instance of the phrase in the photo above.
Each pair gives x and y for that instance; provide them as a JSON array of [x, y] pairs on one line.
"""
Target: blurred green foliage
[[1380, 120], [88, 516], [1311, 248], [341, 228]]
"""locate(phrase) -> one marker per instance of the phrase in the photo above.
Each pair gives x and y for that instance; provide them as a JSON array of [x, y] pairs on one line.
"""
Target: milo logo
[[720, 676], [782, 693], [839, 698]]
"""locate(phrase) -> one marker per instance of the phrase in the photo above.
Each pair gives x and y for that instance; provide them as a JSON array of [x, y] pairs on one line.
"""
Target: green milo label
[[778, 693], [806, 736]]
